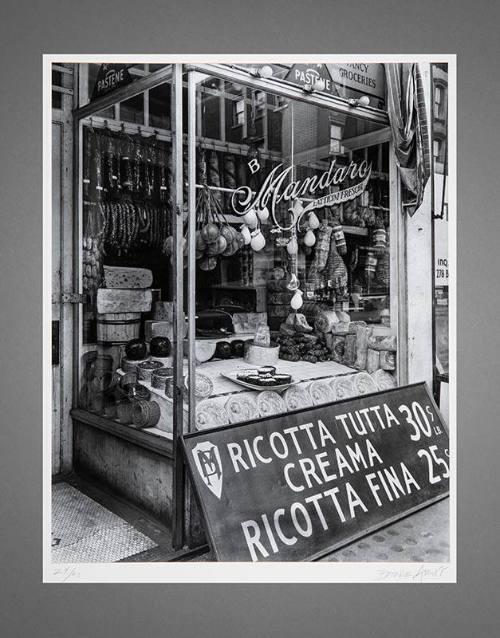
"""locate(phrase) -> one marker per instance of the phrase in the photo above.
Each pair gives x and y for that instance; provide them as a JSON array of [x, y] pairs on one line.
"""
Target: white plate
[[276, 388]]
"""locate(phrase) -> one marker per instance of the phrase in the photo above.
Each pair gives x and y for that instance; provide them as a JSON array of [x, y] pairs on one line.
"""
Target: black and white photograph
[[250, 318]]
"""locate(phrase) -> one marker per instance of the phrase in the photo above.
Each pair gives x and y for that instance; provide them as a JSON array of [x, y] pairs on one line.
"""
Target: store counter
[[302, 373]]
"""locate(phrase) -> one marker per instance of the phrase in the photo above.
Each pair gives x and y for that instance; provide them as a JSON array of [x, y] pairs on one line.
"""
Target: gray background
[[27, 30]]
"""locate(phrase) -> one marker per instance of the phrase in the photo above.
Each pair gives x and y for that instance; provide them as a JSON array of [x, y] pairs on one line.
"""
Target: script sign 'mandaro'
[[297, 486], [277, 188]]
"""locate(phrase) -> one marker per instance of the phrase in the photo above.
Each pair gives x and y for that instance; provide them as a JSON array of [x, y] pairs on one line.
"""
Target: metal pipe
[[433, 240], [191, 246], [291, 91], [179, 480]]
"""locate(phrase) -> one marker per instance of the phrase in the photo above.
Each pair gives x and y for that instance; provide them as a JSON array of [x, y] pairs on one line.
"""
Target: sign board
[[299, 485], [441, 269], [307, 74], [110, 77], [357, 79], [276, 188]]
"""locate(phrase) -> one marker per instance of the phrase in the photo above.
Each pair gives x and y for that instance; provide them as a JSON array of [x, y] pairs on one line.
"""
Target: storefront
[[243, 226]]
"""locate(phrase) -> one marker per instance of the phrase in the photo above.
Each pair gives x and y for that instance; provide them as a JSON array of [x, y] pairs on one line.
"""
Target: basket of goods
[[159, 377], [136, 391], [128, 378], [124, 411], [145, 369], [145, 414]]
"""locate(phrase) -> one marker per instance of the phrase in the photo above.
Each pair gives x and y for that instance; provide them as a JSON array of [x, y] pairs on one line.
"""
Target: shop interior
[[292, 300]]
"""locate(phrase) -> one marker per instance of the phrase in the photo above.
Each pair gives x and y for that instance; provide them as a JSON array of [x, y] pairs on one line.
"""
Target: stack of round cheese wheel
[[270, 403], [240, 407]]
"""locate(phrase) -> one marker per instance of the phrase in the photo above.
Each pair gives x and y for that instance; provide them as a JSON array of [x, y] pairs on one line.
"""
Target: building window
[[259, 103], [439, 101], [239, 112], [439, 150], [335, 138]]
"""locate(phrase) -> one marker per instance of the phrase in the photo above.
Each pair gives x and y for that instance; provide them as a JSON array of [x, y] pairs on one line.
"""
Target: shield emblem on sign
[[207, 459]]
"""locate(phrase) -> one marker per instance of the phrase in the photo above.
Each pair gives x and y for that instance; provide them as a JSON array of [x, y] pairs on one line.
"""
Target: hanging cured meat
[[214, 175], [229, 177], [336, 271]]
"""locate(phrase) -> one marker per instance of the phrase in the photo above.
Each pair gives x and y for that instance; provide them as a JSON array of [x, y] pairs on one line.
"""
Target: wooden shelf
[[355, 230], [145, 439], [229, 286]]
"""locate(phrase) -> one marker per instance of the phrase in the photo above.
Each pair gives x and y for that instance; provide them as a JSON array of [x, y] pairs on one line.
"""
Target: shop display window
[[126, 261], [292, 245], [285, 298]]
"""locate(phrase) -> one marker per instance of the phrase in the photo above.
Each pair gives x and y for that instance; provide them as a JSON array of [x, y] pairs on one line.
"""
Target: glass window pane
[[126, 268], [132, 110], [210, 107], [441, 266], [160, 106], [56, 100], [289, 154]]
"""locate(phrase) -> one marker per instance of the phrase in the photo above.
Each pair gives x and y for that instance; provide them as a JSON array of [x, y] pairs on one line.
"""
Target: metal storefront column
[[191, 243], [179, 478]]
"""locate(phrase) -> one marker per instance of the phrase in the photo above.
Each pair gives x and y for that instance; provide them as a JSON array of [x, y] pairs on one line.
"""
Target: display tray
[[232, 376]]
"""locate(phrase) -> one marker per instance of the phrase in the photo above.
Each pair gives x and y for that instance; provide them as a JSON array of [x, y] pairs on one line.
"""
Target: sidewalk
[[91, 526]]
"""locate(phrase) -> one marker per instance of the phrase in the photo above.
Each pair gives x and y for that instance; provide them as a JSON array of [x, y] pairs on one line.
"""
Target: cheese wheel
[[125, 277], [270, 403]]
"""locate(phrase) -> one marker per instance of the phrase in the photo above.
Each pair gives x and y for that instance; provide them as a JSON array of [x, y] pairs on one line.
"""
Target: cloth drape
[[410, 134]]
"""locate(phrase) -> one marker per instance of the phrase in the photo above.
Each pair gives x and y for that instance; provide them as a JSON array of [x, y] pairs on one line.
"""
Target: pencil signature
[[417, 575], [64, 572]]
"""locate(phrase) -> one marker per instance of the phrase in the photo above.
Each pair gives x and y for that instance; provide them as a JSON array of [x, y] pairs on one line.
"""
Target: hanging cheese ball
[[217, 247], [228, 233], [208, 263], [210, 232], [231, 249], [200, 242]]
